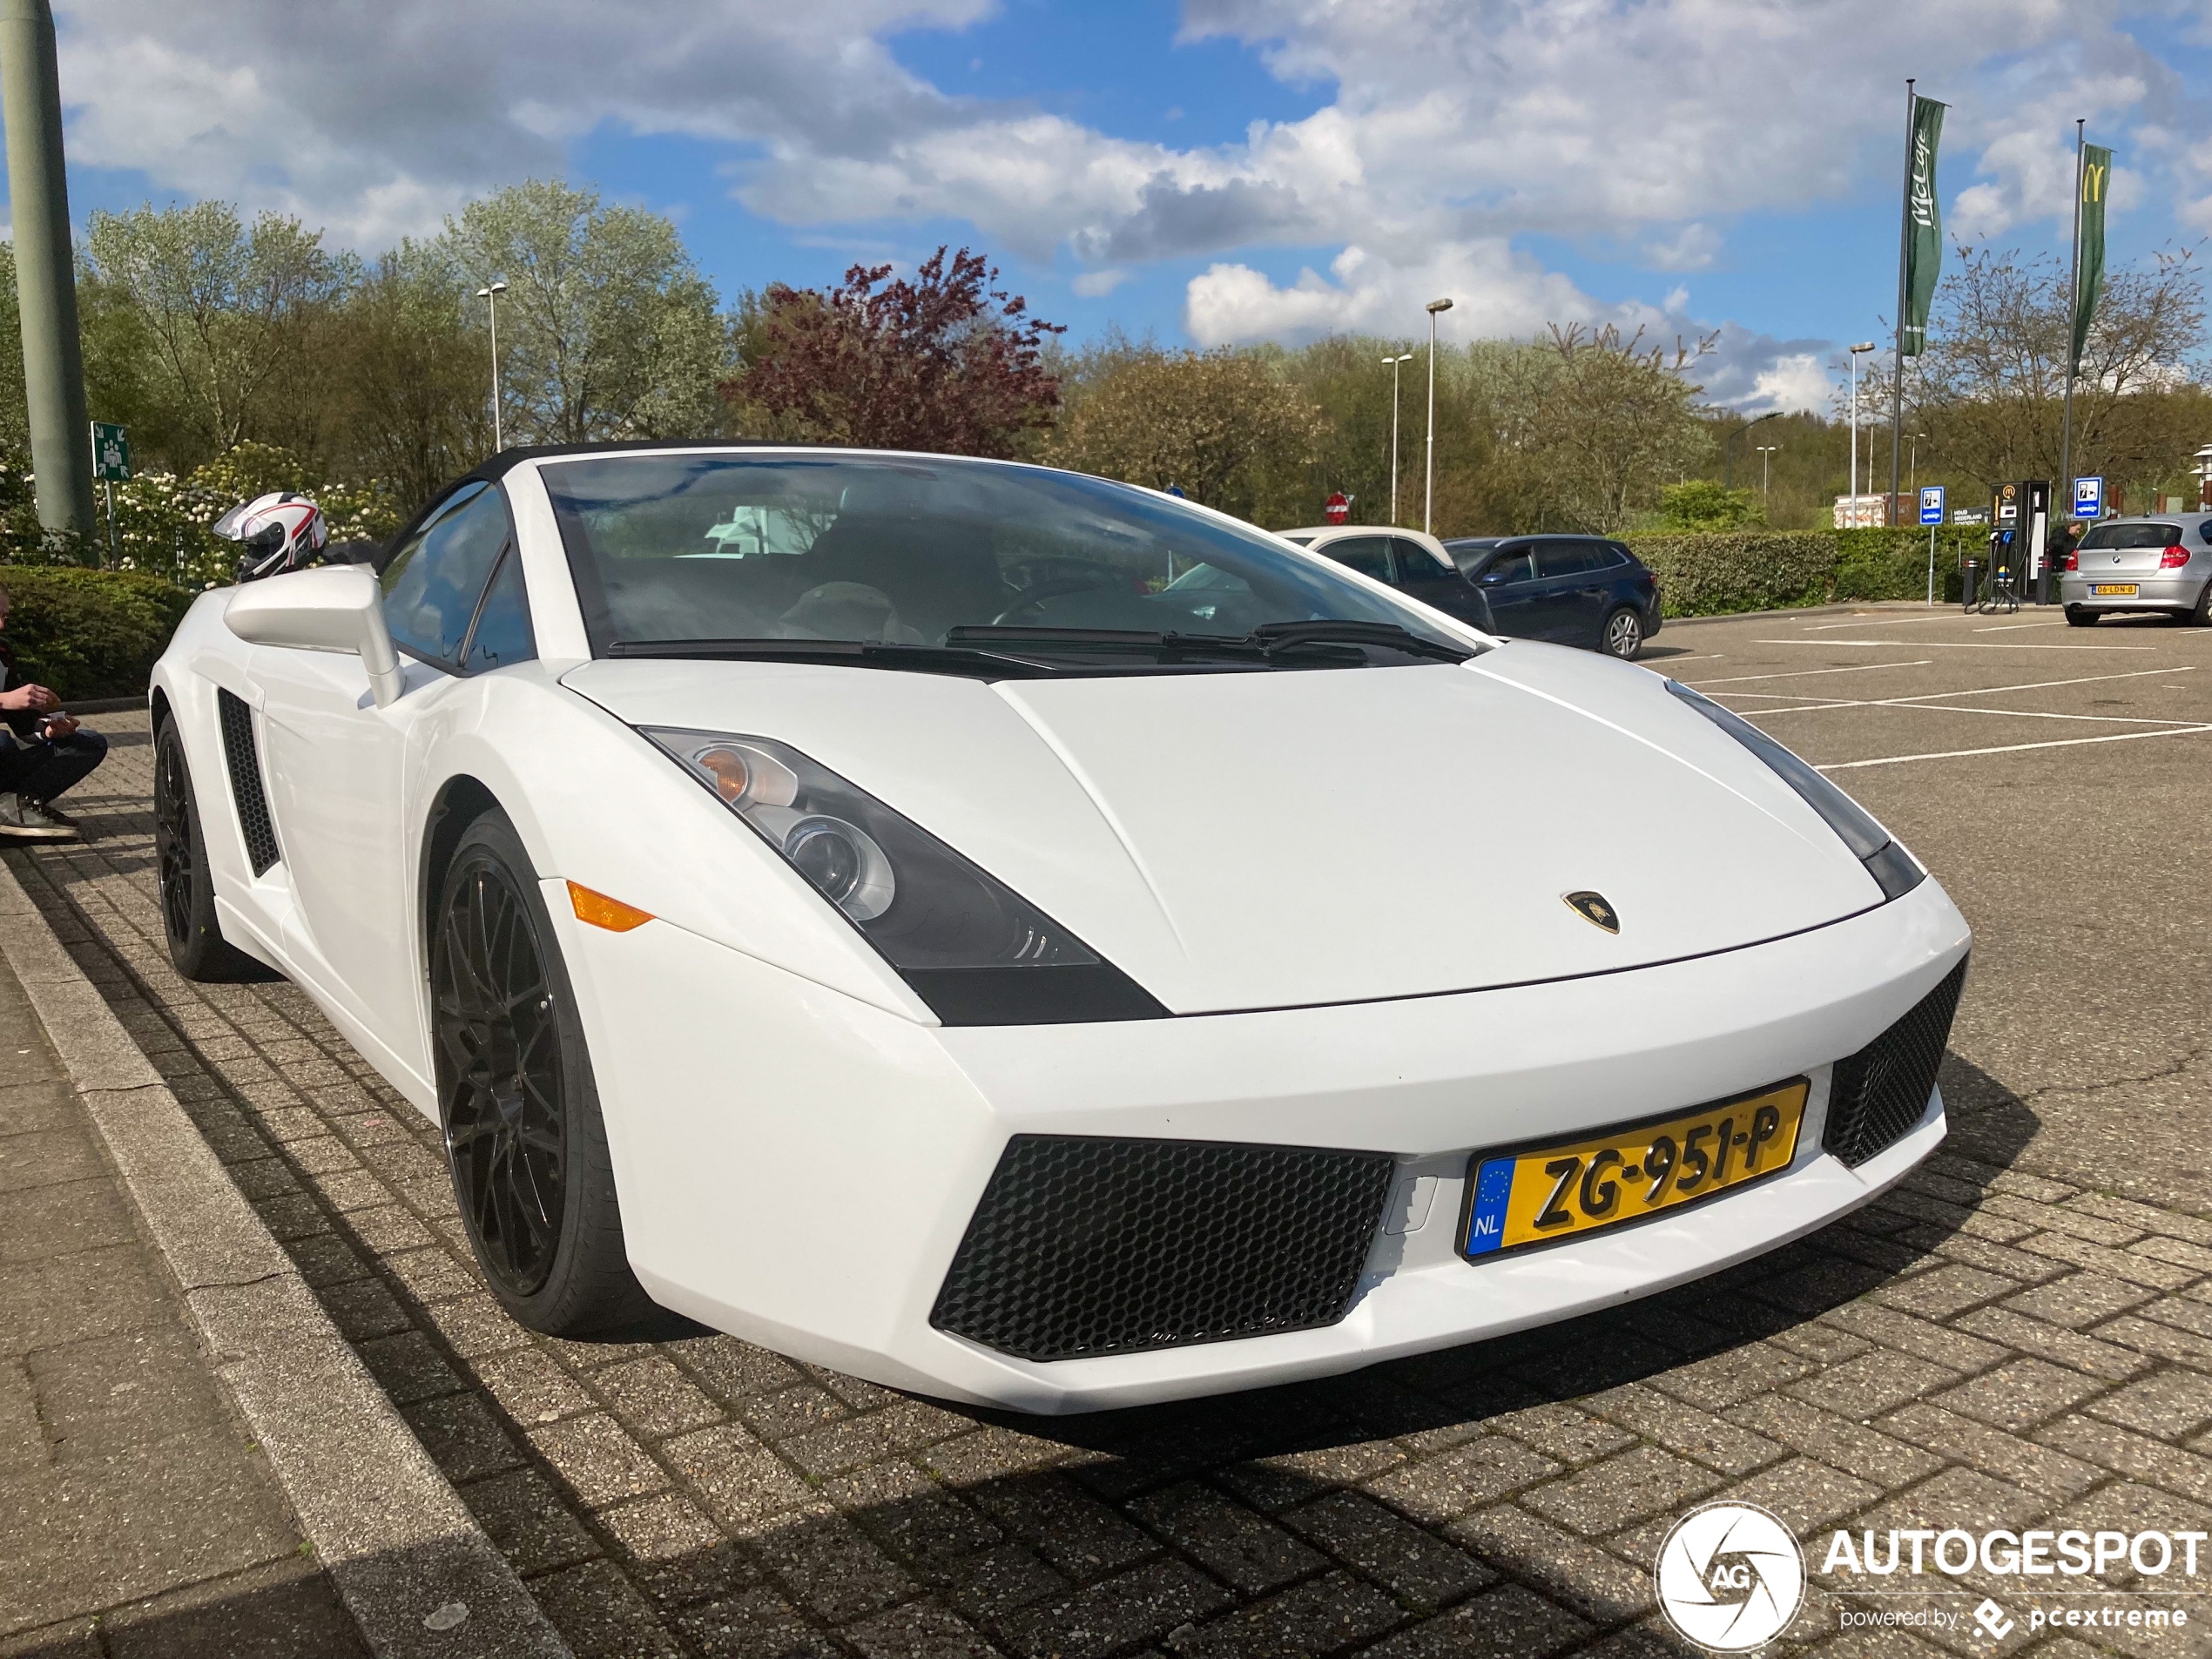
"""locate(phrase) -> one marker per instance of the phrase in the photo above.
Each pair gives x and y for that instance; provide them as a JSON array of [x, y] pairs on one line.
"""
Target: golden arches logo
[[2092, 183]]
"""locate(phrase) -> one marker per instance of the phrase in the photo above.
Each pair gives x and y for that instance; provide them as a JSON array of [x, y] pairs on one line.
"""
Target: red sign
[[1338, 507]]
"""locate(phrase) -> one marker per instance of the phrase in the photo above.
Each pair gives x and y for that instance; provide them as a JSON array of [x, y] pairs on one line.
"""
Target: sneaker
[[26, 820], [55, 815]]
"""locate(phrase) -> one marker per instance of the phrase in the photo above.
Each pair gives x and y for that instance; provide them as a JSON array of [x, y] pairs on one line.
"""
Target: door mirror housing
[[335, 608]]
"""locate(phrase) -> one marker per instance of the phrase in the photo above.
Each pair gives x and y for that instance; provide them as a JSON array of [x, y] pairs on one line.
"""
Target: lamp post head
[[1864, 345], [486, 293], [1439, 305]]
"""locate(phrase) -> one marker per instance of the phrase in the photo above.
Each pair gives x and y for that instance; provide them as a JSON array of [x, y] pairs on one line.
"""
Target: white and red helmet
[[279, 532]]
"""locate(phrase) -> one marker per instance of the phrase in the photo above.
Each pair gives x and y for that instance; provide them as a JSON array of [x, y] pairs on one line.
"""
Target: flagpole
[[2073, 313], [1896, 363]]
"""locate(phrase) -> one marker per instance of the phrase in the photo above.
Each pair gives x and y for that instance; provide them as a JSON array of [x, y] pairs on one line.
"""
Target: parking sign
[[2088, 497], [1932, 504]]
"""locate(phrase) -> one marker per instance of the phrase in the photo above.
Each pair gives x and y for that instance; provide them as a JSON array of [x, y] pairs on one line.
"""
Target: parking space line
[[1807, 673], [1949, 644], [2017, 714], [1887, 622], [2008, 627], [2011, 748]]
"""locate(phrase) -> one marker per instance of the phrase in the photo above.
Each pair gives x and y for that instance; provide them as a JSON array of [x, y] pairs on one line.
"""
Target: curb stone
[[386, 1524]]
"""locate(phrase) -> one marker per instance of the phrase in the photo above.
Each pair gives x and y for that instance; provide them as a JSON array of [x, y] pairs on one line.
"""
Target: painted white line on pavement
[[2017, 714], [1861, 620], [1949, 644], [2011, 748], [2010, 627], [1814, 704], [1807, 673]]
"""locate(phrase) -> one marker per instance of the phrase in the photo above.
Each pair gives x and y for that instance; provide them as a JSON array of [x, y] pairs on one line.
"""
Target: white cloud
[[1793, 382], [1691, 248], [1493, 292], [1093, 285]]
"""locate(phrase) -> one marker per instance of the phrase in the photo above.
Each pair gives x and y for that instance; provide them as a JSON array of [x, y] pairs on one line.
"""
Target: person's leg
[[67, 762]]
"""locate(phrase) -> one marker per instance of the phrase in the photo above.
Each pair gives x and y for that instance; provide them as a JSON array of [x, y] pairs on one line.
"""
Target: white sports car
[[1031, 940]]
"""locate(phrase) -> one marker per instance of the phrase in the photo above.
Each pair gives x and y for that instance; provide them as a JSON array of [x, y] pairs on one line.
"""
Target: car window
[[1566, 558], [1508, 567], [1415, 562], [503, 634], [433, 582], [1367, 554], [2133, 536]]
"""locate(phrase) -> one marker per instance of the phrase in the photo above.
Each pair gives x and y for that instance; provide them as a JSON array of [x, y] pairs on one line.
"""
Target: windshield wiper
[[1273, 637], [1335, 637], [844, 653]]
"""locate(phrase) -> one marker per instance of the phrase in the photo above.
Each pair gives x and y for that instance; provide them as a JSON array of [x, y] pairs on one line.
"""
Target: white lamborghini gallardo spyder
[[1031, 940]]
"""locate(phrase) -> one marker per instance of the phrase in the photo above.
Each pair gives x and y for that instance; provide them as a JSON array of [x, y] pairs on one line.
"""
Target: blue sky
[[1209, 172]]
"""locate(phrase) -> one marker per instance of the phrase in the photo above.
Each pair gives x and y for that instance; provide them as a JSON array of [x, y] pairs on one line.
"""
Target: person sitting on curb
[[43, 753]]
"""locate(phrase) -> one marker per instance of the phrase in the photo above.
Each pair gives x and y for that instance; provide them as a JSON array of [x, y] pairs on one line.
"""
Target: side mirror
[[336, 608]]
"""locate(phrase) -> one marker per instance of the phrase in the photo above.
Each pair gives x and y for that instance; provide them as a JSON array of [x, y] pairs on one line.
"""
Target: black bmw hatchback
[[1572, 589]]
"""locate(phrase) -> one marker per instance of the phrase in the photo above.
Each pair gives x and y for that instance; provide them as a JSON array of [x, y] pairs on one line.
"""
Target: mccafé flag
[[1923, 224], [2089, 256]]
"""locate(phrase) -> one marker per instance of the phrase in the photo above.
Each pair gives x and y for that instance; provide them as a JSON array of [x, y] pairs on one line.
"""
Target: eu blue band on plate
[[1493, 1186]]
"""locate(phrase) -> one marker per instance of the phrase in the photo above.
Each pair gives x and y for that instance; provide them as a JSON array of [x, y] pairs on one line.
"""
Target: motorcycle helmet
[[278, 531]]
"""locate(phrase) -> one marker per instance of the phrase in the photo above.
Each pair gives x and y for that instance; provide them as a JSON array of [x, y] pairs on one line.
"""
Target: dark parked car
[[1415, 564], [1573, 590]]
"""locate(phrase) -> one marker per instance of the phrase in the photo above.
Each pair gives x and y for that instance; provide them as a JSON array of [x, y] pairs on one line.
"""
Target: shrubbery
[[1712, 574], [89, 633]]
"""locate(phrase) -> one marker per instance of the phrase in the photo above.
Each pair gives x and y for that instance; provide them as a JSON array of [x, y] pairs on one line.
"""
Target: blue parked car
[[1572, 589]]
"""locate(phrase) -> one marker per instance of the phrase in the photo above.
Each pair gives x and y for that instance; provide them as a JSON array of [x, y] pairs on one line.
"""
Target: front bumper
[[798, 1169], [2154, 590]]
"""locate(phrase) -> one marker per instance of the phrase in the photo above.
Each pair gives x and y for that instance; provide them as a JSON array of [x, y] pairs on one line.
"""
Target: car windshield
[[726, 548], [2131, 536]]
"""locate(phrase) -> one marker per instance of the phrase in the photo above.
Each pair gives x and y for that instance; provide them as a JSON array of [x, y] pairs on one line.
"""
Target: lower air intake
[[245, 766], [1085, 1247], [1880, 1091]]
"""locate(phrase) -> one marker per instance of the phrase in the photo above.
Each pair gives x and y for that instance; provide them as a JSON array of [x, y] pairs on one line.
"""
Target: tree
[[606, 329], [229, 319], [1701, 504], [944, 362], [1217, 424], [1989, 388], [410, 373], [1590, 425]]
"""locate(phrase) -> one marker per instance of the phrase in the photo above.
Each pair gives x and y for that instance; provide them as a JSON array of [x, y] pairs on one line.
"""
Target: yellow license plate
[[1533, 1197], [2113, 587]]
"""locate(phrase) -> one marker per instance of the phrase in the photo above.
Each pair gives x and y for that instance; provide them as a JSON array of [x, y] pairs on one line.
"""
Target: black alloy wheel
[[1623, 634], [523, 1135], [187, 886], [506, 1122]]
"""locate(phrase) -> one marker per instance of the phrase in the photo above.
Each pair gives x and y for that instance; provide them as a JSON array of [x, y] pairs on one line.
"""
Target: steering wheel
[[1026, 609]]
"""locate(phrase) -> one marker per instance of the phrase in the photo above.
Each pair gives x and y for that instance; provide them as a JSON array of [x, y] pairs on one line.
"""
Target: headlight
[[975, 951], [1895, 871]]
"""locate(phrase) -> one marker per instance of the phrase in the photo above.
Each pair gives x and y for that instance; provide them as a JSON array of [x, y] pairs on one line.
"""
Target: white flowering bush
[[162, 522]]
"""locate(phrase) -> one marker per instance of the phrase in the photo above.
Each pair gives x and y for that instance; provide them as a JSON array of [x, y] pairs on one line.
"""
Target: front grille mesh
[[1084, 1246], [247, 793], [1880, 1092]]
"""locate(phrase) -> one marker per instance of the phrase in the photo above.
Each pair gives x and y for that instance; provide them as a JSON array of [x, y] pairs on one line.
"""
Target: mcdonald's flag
[[2089, 252], [1923, 224]]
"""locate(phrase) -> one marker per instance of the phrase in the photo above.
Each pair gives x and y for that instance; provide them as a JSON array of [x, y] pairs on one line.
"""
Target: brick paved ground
[[1986, 1348], [136, 1519]]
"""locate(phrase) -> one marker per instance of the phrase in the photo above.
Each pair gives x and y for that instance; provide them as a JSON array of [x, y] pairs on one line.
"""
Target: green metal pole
[[53, 364]]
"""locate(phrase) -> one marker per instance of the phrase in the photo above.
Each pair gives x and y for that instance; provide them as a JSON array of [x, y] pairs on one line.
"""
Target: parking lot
[[2019, 1337]]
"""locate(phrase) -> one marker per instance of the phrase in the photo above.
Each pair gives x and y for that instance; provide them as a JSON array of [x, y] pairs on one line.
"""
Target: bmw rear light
[[2073, 561], [2173, 558]]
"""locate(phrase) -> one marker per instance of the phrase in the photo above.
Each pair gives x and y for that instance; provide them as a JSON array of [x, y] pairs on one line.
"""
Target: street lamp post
[[1766, 461], [1428, 507], [1853, 494], [1394, 362], [1914, 488], [490, 297]]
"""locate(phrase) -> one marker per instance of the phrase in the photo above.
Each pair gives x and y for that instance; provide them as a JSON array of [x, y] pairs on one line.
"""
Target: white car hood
[[1276, 840]]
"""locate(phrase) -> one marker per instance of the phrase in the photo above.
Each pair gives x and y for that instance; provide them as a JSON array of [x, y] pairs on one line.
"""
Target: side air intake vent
[[1880, 1091], [246, 793], [1085, 1247]]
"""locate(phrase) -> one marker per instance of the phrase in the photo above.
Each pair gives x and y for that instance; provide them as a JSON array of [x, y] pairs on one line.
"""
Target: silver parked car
[[2161, 563]]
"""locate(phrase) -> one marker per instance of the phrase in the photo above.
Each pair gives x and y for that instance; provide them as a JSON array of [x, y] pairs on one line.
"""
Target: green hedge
[[89, 633], [1713, 574]]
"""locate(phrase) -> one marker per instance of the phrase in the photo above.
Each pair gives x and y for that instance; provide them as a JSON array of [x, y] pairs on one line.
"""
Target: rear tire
[[2201, 615], [1622, 635], [2081, 618], [187, 886], [524, 1139]]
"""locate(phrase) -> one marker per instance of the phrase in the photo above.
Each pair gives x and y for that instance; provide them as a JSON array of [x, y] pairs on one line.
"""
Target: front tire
[[187, 886], [524, 1139], [1622, 635], [2081, 618]]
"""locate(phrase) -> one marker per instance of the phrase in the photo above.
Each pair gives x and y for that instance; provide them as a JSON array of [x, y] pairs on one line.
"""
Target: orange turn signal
[[603, 911]]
